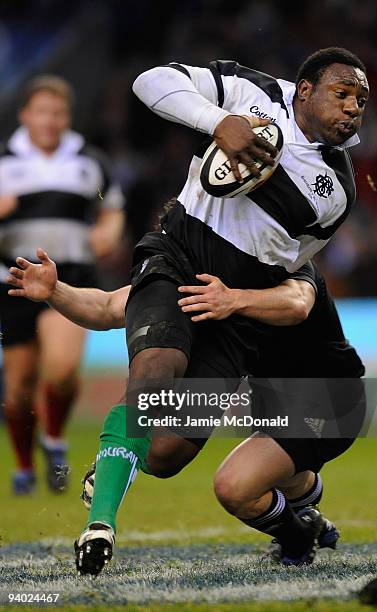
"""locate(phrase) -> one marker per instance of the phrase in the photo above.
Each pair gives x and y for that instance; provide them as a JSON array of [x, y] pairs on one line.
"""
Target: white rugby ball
[[216, 175], [88, 489]]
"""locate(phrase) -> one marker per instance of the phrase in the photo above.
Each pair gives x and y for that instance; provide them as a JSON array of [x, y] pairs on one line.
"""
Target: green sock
[[118, 460]]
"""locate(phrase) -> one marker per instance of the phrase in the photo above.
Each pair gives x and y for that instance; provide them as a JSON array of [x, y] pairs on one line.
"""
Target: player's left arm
[[90, 308], [8, 204], [189, 95], [287, 304], [106, 233]]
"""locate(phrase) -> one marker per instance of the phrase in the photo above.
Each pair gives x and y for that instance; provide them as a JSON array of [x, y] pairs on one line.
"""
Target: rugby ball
[[88, 488], [216, 175]]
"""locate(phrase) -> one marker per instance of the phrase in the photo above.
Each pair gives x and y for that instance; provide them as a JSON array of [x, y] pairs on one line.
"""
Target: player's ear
[[304, 90]]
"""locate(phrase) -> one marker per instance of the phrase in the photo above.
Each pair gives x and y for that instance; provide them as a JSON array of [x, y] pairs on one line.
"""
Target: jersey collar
[[21, 144]]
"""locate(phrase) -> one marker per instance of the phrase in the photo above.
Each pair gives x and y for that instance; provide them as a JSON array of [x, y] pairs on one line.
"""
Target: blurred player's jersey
[[295, 212], [58, 198]]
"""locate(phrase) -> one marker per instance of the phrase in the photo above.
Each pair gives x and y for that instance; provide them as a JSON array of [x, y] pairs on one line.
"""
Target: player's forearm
[[88, 308], [107, 232], [283, 305], [173, 96]]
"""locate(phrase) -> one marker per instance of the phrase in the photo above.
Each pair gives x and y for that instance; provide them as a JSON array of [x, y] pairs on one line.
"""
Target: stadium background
[[100, 47]]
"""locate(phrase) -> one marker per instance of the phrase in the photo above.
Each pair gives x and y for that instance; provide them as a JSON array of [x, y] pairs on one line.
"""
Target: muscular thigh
[[154, 319], [20, 374], [257, 464], [160, 336], [61, 345]]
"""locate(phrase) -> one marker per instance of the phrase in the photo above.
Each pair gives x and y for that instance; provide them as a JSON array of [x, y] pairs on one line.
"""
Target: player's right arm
[[287, 304], [189, 95], [8, 204], [89, 308], [290, 303]]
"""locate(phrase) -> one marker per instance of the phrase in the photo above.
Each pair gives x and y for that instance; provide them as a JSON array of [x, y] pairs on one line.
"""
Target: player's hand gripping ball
[[216, 175]]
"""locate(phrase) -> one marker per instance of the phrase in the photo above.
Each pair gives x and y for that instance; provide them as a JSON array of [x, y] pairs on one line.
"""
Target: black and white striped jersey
[[58, 198], [294, 213]]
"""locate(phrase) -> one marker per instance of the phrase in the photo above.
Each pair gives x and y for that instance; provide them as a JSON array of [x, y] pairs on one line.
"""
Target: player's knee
[[228, 493], [167, 456], [163, 465], [162, 469], [19, 396], [160, 363], [234, 495], [63, 381]]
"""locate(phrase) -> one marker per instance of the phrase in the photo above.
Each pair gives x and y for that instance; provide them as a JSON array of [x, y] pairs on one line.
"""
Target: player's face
[[334, 107], [46, 116]]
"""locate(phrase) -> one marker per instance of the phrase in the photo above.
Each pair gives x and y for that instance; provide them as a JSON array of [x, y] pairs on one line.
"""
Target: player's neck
[[47, 150], [302, 122]]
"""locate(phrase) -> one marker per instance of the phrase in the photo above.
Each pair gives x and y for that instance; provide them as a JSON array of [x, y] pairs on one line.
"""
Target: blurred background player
[[55, 191]]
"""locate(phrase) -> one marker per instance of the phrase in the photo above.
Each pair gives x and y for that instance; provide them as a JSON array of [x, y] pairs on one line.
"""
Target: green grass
[[206, 575], [178, 546], [183, 509], [269, 606]]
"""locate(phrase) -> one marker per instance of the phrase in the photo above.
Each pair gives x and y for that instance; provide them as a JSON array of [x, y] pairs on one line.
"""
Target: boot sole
[[92, 556]]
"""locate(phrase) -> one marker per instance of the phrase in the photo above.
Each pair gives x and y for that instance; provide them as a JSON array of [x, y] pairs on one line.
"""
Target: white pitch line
[[172, 535], [177, 535]]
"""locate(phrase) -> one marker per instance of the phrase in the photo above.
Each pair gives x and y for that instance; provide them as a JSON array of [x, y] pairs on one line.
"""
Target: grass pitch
[[177, 549]]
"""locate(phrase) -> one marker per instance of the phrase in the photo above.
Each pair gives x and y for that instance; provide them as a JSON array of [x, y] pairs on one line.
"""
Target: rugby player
[[251, 241], [315, 349], [50, 187], [300, 302]]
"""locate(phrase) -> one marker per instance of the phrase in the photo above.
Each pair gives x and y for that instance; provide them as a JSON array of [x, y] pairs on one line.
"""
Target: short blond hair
[[47, 82]]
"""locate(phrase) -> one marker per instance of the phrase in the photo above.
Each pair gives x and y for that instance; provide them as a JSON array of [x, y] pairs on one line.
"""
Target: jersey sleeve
[[183, 94], [110, 193], [113, 198], [236, 83], [307, 273], [202, 79], [201, 97]]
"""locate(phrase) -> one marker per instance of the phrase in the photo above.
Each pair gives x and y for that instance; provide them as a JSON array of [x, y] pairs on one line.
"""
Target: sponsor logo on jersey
[[255, 110]]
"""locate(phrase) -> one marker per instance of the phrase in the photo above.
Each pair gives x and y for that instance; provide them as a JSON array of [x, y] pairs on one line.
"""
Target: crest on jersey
[[323, 186]]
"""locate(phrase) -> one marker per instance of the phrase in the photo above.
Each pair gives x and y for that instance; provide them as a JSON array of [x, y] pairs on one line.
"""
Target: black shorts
[[327, 413], [18, 316], [154, 319], [316, 349], [228, 349], [214, 349], [312, 454]]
